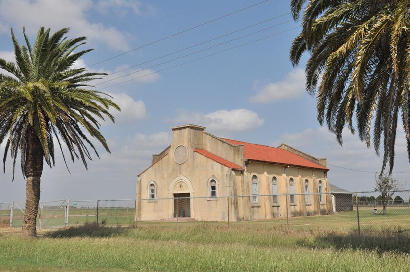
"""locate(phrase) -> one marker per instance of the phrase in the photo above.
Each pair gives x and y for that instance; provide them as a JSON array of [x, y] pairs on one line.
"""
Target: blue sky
[[250, 93]]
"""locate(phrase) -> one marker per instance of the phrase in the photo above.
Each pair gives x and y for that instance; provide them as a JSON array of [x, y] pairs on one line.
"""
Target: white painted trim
[[178, 179], [148, 189], [209, 187], [190, 191]]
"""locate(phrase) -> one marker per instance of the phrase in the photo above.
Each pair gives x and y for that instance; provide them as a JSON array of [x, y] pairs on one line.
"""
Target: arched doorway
[[181, 190], [182, 205]]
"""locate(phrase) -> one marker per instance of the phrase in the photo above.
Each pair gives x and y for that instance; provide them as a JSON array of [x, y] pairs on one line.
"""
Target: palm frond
[[49, 100], [359, 67]]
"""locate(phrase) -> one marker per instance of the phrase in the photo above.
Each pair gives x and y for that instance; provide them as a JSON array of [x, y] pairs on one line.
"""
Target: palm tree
[[359, 66], [45, 101]]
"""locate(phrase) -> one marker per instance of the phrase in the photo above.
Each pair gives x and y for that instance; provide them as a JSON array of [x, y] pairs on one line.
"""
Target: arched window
[[152, 191], [307, 196], [274, 190], [212, 188], [255, 189], [320, 191], [291, 191]]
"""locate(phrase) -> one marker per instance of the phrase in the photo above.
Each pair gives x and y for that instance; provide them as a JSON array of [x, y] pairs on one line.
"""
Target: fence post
[[11, 214], [98, 204], [135, 215], [333, 203], [228, 209], [357, 214], [287, 211], [67, 213]]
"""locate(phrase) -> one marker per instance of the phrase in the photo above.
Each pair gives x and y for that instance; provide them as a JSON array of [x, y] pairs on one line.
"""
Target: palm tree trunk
[[33, 169], [31, 211]]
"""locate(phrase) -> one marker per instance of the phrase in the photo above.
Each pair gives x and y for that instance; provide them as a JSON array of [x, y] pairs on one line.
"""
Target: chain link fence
[[357, 211], [64, 213], [5, 210], [81, 212], [335, 211], [374, 213], [116, 212], [11, 214]]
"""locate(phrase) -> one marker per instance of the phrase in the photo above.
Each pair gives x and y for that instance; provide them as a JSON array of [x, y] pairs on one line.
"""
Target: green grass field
[[317, 243], [55, 217]]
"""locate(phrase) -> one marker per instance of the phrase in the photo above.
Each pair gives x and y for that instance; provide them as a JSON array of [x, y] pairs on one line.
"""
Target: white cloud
[[113, 176], [59, 14], [80, 63], [145, 76], [224, 120], [131, 110], [120, 6], [123, 74], [234, 120], [7, 55], [136, 150], [292, 86]]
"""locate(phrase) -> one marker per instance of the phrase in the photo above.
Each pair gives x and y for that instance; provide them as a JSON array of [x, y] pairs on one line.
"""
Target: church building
[[208, 178]]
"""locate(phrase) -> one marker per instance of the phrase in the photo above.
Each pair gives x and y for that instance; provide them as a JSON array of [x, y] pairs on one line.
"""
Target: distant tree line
[[372, 199]]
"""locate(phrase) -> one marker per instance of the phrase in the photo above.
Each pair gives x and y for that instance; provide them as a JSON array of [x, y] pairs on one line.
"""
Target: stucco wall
[[192, 177], [265, 208], [230, 152]]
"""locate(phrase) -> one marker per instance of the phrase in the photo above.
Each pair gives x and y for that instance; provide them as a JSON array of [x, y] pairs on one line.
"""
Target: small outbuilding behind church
[[342, 199]]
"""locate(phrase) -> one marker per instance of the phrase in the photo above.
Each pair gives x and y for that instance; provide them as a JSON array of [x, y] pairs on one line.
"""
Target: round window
[[180, 154]]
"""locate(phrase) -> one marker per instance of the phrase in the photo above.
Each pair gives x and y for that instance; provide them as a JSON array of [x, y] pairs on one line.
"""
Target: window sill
[[255, 205], [308, 204], [152, 200], [275, 205], [292, 204], [212, 199]]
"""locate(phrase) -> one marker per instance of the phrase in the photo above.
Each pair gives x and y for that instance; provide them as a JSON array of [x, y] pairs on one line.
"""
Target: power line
[[195, 52], [219, 52], [197, 59], [170, 36], [364, 171], [199, 43], [203, 57], [351, 169]]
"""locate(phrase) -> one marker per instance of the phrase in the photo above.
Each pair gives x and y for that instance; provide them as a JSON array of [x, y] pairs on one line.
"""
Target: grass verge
[[194, 246]]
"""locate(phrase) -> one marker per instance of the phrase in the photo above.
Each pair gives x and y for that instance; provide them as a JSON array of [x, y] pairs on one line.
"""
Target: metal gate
[[182, 205]]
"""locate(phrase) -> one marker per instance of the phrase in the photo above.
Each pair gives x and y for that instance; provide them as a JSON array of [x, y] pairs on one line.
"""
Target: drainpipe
[[287, 194]]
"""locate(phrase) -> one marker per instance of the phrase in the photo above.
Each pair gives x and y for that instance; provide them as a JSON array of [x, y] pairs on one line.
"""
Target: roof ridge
[[303, 161], [218, 159], [250, 143], [298, 150], [219, 138]]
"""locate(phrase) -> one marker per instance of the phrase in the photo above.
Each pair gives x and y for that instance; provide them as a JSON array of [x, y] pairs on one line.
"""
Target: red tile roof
[[217, 159], [273, 154]]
